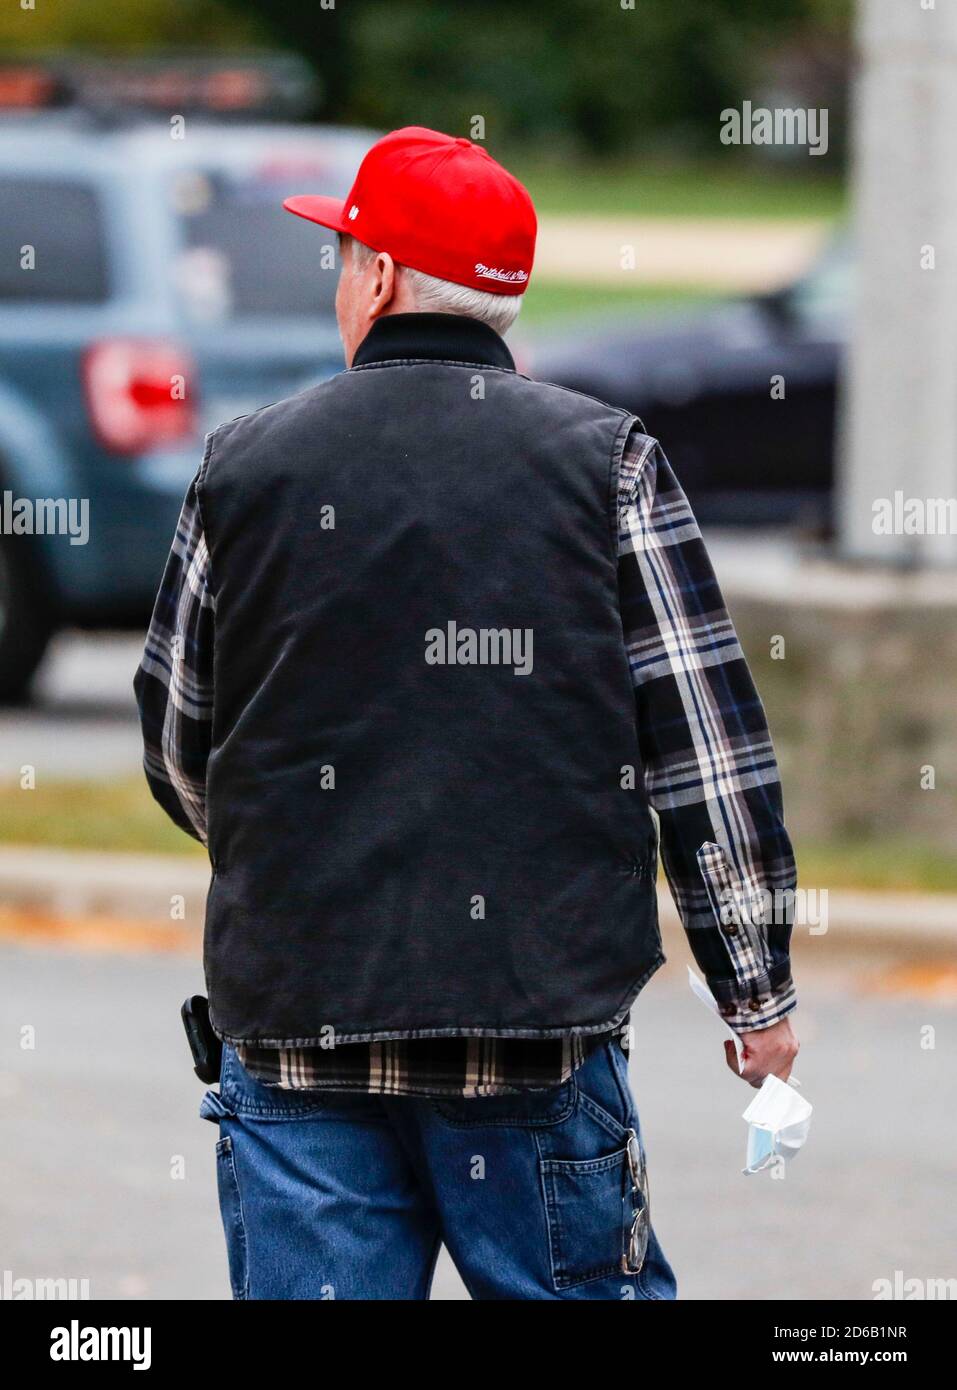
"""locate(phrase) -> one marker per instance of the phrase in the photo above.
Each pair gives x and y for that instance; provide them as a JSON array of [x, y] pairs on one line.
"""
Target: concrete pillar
[[900, 404]]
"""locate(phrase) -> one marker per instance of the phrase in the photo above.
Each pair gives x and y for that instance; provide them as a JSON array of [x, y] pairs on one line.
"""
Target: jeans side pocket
[[585, 1214], [231, 1210]]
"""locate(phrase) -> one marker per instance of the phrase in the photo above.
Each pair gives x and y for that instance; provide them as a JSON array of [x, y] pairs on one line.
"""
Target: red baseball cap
[[439, 204]]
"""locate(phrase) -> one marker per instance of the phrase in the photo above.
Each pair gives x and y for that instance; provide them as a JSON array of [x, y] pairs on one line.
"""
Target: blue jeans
[[328, 1195]]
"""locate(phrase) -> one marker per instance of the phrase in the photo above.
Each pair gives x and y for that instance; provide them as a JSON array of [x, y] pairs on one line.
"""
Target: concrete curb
[[170, 890], [918, 919], [154, 888]]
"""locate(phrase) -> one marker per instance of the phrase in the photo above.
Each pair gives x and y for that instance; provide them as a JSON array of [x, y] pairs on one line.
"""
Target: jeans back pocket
[[586, 1214]]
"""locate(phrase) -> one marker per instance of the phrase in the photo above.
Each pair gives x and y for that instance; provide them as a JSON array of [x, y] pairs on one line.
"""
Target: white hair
[[435, 296]]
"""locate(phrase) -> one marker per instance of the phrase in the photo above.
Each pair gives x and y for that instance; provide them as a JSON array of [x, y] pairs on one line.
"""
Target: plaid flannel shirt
[[709, 773]]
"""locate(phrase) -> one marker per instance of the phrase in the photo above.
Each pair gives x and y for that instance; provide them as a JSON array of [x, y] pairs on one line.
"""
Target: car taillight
[[139, 393]]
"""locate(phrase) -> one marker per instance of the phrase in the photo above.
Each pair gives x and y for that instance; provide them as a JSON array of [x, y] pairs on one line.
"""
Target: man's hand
[[767, 1052]]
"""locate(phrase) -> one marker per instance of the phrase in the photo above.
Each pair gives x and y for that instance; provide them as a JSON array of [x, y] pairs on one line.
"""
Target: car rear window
[[52, 247], [243, 255]]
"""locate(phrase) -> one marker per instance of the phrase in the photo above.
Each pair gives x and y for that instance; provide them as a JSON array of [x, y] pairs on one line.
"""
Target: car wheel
[[26, 623]]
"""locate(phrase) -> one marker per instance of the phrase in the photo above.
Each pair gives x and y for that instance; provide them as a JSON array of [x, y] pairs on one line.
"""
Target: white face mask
[[778, 1118], [778, 1123]]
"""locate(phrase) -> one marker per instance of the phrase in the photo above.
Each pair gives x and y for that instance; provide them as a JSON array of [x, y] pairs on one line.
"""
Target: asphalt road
[[81, 720], [96, 1116]]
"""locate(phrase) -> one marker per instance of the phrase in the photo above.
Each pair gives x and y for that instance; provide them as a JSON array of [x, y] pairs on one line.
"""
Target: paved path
[[743, 254], [81, 722]]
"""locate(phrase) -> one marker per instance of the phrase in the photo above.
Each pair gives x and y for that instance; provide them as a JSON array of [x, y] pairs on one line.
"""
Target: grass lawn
[[897, 865], [118, 815], [683, 190], [549, 301], [123, 816]]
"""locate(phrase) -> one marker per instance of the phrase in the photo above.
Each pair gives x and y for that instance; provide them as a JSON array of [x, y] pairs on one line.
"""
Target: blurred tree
[[135, 25], [325, 36], [601, 76], [592, 75]]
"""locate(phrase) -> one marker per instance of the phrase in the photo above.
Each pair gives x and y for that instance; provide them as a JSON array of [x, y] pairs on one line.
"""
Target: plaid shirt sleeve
[[174, 682], [709, 767]]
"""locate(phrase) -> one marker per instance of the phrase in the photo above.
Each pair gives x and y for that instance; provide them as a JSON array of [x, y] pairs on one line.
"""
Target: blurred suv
[[150, 287]]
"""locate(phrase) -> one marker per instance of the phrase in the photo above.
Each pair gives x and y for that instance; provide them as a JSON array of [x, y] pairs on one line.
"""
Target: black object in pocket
[[206, 1047]]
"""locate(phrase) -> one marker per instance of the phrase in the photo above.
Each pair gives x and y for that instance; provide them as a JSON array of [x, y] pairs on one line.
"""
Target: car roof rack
[[249, 85]]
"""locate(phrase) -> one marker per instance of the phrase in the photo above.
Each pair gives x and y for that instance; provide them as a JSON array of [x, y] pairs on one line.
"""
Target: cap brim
[[328, 212]]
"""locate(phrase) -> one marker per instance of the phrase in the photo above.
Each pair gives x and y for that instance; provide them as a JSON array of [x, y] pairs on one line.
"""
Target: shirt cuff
[[761, 1003]]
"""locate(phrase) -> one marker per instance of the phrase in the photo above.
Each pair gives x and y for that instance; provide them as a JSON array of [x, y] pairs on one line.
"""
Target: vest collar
[[437, 337]]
